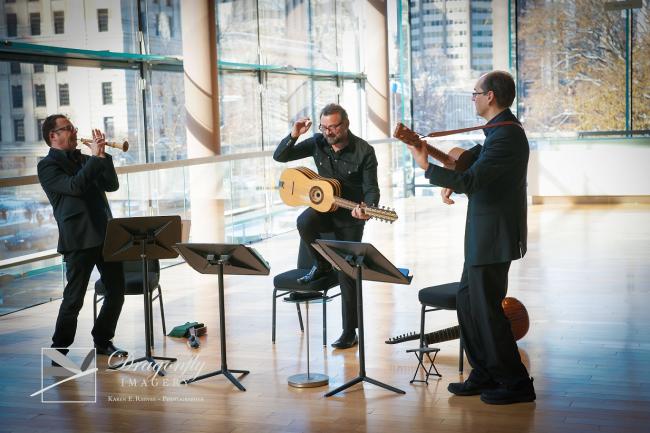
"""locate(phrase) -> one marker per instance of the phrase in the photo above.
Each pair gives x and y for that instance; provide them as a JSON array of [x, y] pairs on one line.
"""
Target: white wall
[[611, 167]]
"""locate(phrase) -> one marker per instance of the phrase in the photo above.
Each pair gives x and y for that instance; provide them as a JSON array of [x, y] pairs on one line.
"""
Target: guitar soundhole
[[316, 195]]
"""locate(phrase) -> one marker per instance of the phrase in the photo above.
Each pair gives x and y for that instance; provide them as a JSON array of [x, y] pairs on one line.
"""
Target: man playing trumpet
[[76, 187]]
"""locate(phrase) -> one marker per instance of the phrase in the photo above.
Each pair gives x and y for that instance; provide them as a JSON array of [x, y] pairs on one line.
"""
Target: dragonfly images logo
[[68, 379]]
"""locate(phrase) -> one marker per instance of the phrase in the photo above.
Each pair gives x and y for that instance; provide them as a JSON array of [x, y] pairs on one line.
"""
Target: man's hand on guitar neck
[[359, 213], [445, 193]]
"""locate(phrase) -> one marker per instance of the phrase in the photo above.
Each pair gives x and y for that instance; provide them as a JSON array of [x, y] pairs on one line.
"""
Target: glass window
[[64, 95], [286, 99], [284, 33], [35, 23], [61, 68], [164, 35], [449, 54], [12, 25], [59, 22], [39, 127], [102, 20], [38, 68], [237, 27], [107, 93], [19, 130], [39, 95], [69, 94], [324, 51], [575, 80], [93, 35], [26, 215], [641, 68], [15, 68], [17, 96], [109, 127], [168, 116], [240, 109], [348, 35]]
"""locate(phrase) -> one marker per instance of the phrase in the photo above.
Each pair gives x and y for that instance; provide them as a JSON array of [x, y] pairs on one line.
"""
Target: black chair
[[285, 284], [435, 298], [133, 286]]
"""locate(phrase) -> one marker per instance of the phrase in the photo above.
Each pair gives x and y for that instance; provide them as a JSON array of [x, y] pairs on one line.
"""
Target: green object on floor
[[184, 330]]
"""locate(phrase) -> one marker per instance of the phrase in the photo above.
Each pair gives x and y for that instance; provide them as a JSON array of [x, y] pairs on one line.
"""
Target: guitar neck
[[434, 337], [347, 204], [373, 212], [437, 153], [446, 334], [404, 134]]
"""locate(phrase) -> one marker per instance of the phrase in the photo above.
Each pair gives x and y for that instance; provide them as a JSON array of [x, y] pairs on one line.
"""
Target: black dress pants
[[311, 224], [79, 266], [487, 337]]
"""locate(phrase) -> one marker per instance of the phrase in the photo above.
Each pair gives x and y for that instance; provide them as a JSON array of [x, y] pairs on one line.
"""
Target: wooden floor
[[585, 282]]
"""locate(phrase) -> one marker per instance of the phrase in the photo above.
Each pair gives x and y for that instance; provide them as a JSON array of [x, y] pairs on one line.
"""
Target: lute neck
[[347, 204], [436, 153]]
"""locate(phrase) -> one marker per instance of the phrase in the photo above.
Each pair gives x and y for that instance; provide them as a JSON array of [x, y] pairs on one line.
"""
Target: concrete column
[[377, 87], [207, 194]]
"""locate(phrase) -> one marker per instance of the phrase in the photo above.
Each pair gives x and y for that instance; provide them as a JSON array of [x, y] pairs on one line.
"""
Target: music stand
[[143, 238], [361, 261], [229, 259]]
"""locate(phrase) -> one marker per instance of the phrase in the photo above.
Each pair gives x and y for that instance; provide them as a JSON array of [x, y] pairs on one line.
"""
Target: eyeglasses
[[475, 94], [331, 128], [68, 128]]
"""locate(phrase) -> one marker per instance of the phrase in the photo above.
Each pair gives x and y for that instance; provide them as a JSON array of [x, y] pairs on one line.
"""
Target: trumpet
[[124, 146]]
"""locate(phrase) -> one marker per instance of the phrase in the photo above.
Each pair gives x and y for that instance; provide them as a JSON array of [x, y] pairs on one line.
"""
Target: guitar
[[457, 159], [512, 307], [300, 186]]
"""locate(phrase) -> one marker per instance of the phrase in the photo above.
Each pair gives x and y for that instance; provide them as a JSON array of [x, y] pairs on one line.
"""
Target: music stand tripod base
[[227, 373], [308, 380]]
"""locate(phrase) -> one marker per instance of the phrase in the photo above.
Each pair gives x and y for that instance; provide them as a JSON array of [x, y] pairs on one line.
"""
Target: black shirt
[[355, 166]]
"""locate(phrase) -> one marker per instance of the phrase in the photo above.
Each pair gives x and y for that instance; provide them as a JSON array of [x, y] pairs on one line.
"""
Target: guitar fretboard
[[384, 214], [446, 334]]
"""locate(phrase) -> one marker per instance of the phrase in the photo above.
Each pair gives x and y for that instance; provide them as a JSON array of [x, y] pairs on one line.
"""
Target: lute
[[457, 158], [301, 186], [512, 307]]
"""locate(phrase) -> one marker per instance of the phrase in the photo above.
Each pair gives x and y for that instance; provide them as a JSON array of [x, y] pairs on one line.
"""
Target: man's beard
[[333, 140], [341, 137]]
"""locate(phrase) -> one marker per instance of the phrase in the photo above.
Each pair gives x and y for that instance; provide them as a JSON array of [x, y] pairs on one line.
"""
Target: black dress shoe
[[303, 296], [471, 388], [110, 349], [346, 340], [314, 273], [521, 393]]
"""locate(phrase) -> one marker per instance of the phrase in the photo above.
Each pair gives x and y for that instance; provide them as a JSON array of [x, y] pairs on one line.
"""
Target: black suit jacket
[[77, 193], [496, 227]]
